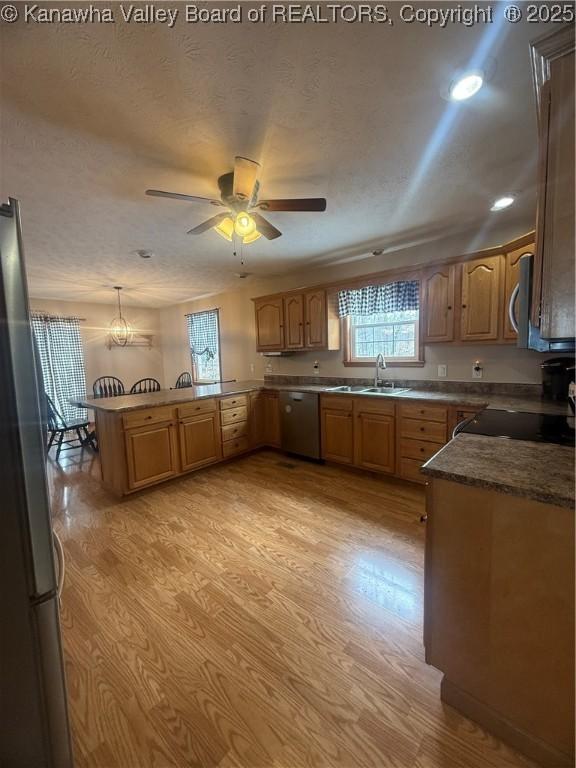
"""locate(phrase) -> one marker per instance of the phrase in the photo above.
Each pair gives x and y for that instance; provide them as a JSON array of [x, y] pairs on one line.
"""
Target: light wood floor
[[263, 613]]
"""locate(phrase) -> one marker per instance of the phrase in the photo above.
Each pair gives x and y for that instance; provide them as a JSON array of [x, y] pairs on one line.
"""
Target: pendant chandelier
[[120, 331]]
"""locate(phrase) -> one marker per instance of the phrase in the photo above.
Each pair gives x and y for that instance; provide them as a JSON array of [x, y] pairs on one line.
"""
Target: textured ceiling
[[92, 115]]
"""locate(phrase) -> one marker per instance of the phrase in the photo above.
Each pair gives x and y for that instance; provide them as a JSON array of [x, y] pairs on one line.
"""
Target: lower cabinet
[[151, 454], [422, 431], [200, 441], [359, 432], [271, 419]]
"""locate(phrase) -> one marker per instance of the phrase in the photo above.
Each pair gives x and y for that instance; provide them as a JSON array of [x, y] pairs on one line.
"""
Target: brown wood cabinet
[[439, 303], [270, 324], [151, 454], [315, 323], [499, 614], [374, 441], [480, 309], [271, 419], [338, 435], [297, 321], [200, 442], [294, 321], [553, 285]]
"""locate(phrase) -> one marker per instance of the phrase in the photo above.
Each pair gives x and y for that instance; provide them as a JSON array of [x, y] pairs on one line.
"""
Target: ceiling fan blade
[[245, 177], [304, 204], [208, 224], [265, 228], [178, 196]]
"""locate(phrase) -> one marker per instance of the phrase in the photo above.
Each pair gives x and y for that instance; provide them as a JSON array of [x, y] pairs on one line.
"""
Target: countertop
[[540, 471], [176, 396]]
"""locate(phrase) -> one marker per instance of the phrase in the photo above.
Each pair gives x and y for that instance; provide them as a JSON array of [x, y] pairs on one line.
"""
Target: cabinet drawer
[[233, 415], [410, 470], [425, 412], [235, 401], [232, 447], [196, 407], [423, 430], [374, 405], [144, 416], [336, 402], [234, 431], [417, 449]]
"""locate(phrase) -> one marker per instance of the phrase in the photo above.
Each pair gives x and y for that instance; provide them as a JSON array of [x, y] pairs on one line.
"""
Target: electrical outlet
[[477, 370], [442, 371], [316, 368], [268, 368]]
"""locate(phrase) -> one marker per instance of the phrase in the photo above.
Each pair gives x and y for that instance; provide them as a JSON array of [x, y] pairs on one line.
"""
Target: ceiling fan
[[239, 196]]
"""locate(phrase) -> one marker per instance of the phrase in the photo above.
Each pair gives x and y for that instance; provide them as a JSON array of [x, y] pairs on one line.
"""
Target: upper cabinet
[[297, 321], [553, 286], [481, 299], [270, 324], [438, 292]]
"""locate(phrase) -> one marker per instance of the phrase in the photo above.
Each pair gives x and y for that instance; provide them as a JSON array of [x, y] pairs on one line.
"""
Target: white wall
[[502, 363], [127, 363]]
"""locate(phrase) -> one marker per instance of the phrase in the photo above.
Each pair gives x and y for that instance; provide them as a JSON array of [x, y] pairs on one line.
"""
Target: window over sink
[[381, 319]]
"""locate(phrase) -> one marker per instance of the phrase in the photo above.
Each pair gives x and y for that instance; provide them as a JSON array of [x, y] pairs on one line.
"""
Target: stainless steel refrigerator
[[34, 728]]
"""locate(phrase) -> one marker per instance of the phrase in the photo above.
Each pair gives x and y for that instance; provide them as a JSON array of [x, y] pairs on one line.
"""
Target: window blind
[[62, 360], [372, 299], [204, 339]]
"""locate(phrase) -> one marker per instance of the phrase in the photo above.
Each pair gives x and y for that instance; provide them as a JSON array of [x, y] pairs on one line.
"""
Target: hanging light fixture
[[243, 225], [120, 331]]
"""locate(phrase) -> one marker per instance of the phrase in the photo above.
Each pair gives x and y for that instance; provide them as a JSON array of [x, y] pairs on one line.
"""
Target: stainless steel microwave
[[519, 311]]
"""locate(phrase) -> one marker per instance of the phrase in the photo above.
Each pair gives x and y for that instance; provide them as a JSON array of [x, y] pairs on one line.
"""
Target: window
[[381, 319], [62, 361], [393, 334], [204, 339]]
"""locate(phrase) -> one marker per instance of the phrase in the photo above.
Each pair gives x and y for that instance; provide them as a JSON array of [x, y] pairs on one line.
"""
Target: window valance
[[390, 297]]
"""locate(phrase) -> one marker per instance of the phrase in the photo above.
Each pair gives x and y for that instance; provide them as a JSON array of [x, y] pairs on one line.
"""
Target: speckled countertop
[[540, 471], [176, 396]]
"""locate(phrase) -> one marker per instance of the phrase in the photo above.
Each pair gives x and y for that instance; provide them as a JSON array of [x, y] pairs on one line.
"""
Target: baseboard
[[533, 747]]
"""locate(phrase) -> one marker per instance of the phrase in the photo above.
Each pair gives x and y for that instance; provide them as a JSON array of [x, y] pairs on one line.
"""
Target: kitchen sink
[[356, 388], [385, 390]]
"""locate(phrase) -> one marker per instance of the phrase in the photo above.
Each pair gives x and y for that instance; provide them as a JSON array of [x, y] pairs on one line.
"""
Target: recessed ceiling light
[[502, 202], [466, 86]]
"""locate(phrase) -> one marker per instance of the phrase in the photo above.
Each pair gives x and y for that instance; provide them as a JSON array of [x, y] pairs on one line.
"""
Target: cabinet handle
[[421, 429], [449, 306], [421, 450], [147, 417], [463, 306]]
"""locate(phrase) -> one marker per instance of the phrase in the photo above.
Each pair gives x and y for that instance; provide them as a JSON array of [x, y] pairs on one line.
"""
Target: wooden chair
[[142, 386], [184, 380], [108, 386], [58, 428]]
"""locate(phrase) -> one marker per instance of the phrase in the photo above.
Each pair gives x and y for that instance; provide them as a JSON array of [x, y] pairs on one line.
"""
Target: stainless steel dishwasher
[[300, 423]]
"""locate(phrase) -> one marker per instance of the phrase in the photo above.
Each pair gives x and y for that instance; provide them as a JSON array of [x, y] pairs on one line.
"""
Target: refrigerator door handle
[[60, 563]]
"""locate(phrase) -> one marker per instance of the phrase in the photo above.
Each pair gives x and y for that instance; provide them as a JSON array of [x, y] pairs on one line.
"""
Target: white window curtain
[[60, 351], [204, 339], [373, 299]]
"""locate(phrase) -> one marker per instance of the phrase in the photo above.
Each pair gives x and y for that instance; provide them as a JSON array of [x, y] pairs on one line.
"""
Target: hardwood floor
[[262, 613]]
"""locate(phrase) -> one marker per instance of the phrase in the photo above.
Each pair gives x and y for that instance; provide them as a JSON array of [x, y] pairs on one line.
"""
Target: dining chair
[[184, 380], [108, 386], [142, 386], [58, 428]]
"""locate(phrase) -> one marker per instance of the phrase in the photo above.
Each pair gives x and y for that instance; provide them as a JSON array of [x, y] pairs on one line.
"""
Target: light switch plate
[[442, 371], [477, 372]]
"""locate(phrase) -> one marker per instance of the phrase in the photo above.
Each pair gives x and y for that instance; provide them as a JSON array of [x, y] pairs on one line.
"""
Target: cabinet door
[[271, 418], [151, 453], [200, 441], [438, 291], [511, 275], [256, 419], [374, 442], [269, 324], [316, 323], [481, 299], [338, 436], [557, 308], [294, 321]]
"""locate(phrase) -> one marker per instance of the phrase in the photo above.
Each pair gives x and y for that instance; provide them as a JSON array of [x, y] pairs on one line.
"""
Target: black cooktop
[[520, 425]]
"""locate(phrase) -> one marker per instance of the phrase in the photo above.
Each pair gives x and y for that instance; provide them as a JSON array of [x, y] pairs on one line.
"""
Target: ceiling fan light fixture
[[244, 225], [225, 229], [252, 237]]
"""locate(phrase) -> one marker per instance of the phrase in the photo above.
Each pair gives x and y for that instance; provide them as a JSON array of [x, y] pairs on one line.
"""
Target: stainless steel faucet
[[380, 365]]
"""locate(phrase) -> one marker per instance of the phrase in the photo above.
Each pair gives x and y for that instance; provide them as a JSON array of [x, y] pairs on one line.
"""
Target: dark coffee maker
[[557, 374]]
